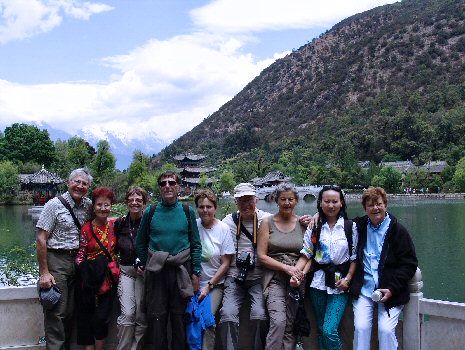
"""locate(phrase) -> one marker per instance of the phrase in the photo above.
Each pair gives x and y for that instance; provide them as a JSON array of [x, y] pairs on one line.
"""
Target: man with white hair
[[57, 245]]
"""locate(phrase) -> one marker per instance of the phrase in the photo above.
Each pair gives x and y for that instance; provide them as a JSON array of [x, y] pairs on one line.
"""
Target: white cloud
[[238, 16], [164, 87], [20, 19]]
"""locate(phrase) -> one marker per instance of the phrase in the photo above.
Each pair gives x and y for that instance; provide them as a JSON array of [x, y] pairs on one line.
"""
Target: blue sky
[[140, 69]]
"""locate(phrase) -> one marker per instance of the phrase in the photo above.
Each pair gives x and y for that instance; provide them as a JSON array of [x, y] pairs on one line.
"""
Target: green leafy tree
[[9, 180], [148, 181], [103, 165], [80, 153], [316, 175], [388, 178], [459, 176], [119, 183], [29, 167], [418, 179], [241, 140], [24, 143], [62, 165], [300, 175], [226, 181], [138, 167], [203, 180]]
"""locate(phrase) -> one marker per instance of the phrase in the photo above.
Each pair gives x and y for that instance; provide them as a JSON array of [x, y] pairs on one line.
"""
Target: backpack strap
[[185, 207], [153, 207], [348, 231]]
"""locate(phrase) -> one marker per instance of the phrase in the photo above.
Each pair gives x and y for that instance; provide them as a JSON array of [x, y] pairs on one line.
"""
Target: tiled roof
[[200, 169], [434, 166], [271, 177], [189, 156], [403, 166], [196, 180], [41, 177]]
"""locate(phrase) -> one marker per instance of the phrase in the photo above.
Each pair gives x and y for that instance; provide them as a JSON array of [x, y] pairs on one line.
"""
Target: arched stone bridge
[[304, 192]]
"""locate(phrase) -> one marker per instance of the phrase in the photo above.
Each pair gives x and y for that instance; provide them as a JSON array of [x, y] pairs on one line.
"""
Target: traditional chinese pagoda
[[43, 184], [190, 167]]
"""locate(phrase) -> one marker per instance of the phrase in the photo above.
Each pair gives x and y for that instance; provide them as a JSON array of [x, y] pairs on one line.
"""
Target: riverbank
[[416, 196]]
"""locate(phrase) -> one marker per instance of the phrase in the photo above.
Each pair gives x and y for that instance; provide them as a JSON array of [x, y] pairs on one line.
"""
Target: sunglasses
[[332, 187], [164, 183]]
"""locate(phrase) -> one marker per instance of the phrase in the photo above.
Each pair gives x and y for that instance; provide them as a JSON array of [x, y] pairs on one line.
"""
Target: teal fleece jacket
[[168, 232]]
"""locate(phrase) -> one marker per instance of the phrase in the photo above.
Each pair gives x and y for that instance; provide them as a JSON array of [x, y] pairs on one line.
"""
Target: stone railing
[[426, 324]]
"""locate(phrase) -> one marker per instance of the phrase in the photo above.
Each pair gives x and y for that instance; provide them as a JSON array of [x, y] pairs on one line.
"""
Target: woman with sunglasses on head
[[330, 250], [217, 252], [131, 322], [279, 243], [95, 296]]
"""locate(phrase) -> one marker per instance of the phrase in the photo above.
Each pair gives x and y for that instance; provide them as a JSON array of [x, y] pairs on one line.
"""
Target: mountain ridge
[[385, 84]]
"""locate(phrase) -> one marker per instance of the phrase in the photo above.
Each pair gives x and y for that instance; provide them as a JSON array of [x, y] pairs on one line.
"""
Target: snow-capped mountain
[[122, 146]]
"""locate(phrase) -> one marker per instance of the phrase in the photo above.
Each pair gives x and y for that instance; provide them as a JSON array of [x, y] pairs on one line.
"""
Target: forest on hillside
[[383, 85]]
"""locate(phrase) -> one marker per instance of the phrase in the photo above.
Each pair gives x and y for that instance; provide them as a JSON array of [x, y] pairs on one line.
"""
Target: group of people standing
[[167, 257]]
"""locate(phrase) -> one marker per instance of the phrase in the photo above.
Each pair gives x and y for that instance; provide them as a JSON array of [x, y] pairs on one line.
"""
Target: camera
[[244, 263], [138, 264]]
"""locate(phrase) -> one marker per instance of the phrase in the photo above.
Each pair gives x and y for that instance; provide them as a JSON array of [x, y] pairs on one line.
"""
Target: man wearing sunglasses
[[57, 246], [168, 245]]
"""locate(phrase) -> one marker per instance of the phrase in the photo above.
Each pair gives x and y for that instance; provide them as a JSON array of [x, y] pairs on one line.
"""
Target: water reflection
[[17, 239]]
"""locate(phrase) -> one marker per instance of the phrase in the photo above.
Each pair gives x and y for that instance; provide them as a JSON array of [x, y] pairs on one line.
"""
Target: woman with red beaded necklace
[[94, 310]]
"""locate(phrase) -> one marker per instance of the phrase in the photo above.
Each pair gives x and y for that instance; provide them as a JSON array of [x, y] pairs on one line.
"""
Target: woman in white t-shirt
[[217, 252]]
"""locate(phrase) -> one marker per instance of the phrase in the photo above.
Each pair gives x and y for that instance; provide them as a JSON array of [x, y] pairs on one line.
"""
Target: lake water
[[437, 228]]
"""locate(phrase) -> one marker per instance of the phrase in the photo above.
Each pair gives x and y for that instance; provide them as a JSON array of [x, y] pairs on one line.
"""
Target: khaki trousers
[[282, 311], [233, 298], [58, 322], [131, 323], [216, 296]]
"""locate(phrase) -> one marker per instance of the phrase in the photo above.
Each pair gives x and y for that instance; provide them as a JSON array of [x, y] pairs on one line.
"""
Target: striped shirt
[[58, 222]]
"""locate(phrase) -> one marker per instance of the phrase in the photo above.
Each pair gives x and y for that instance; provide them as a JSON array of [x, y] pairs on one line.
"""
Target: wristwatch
[[210, 285]]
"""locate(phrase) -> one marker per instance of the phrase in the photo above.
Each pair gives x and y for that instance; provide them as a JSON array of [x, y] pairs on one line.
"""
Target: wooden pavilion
[[43, 184]]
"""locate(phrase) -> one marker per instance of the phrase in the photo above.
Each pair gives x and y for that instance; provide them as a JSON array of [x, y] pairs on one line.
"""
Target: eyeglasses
[[164, 183], [135, 200], [80, 182], [376, 205]]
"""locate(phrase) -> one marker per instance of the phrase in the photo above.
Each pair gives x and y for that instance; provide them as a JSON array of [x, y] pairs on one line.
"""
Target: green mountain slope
[[385, 84]]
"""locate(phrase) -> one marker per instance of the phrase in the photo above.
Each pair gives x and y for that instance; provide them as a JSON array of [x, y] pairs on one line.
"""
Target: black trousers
[[164, 302], [93, 326]]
